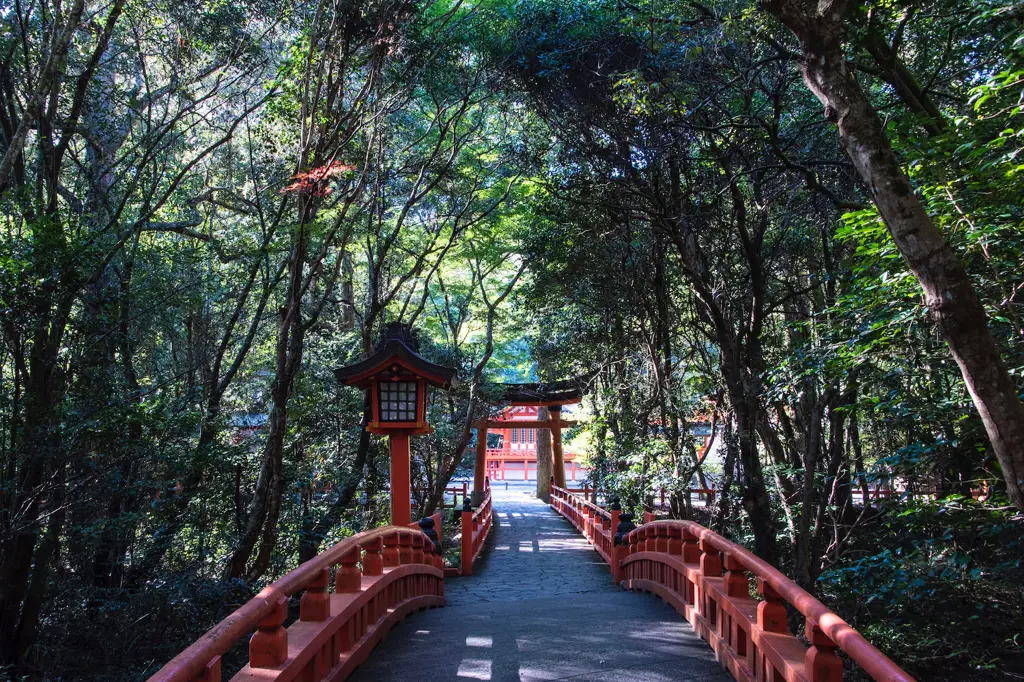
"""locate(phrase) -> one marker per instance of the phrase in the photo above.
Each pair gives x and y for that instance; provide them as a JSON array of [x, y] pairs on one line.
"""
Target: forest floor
[[541, 606]]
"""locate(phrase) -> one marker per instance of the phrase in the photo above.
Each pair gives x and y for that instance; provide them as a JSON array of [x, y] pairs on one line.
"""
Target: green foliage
[[653, 188], [936, 585]]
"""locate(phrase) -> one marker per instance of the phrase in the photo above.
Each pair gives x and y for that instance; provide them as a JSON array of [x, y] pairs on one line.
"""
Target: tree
[[951, 298]]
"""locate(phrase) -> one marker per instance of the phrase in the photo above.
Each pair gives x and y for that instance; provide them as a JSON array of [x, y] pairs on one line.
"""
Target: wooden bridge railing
[[682, 562], [594, 522], [401, 573], [476, 525]]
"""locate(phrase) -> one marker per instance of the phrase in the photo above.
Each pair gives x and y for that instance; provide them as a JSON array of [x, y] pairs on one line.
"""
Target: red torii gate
[[550, 395]]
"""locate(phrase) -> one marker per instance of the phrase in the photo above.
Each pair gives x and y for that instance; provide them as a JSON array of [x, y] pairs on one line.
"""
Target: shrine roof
[[398, 349]]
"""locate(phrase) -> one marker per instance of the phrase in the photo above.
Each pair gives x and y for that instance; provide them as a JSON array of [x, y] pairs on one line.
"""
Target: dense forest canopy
[[798, 222]]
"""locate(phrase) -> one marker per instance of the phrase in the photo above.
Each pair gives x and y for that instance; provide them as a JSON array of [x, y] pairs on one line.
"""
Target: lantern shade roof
[[567, 392], [398, 349]]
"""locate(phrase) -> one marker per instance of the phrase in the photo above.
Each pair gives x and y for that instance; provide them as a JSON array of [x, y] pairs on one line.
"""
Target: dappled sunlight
[[475, 669]]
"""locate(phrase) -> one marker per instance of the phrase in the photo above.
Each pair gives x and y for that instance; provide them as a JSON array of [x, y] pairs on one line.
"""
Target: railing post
[[347, 578], [476, 530], [675, 541], [821, 662], [616, 511], [710, 567], [661, 539], [691, 550], [315, 604], [373, 563], [467, 539], [623, 525], [771, 613], [710, 562], [391, 554], [417, 549], [404, 549], [268, 647], [427, 525], [430, 553], [736, 582]]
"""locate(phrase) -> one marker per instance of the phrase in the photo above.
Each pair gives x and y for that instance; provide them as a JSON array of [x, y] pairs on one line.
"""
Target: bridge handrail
[[582, 502], [202, 658], [476, 526], [595, 523], [682, 562], [772, 584]]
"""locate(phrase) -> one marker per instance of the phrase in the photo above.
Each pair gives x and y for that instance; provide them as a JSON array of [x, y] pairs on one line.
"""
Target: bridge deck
[[541, 607]]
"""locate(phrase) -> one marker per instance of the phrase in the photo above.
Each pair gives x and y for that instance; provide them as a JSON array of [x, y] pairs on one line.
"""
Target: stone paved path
[[541, 606]]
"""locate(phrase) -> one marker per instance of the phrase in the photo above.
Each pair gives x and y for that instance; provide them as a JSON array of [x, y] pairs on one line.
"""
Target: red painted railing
[[682, 562], [591, 520], [401, 573], [476, 525]]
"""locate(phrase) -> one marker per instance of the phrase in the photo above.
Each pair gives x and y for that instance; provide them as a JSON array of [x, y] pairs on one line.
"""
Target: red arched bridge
[[536, 605]]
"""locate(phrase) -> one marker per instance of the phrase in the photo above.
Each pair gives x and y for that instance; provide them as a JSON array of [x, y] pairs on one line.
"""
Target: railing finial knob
[[626, 526], [426, 525]]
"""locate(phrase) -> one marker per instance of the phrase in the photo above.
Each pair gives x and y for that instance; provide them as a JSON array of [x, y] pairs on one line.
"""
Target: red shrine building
[[512, 452]]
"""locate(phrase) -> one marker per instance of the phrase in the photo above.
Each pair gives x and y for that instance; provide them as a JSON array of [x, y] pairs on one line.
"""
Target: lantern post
[[397, 376]]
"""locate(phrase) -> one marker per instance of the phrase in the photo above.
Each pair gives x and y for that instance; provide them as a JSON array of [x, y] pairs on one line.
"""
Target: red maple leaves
[[314, 181]]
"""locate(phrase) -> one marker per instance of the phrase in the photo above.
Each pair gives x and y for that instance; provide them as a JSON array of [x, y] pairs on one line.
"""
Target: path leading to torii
[[541, 607]]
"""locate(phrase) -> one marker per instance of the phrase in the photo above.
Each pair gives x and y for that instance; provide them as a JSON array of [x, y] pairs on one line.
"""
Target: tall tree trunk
[[805, 553], [265, 505], [39, 453], [853, 433], [838, 482], [951, 299], [728, 470], [544, 458], [745, 403], [36, 595]]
